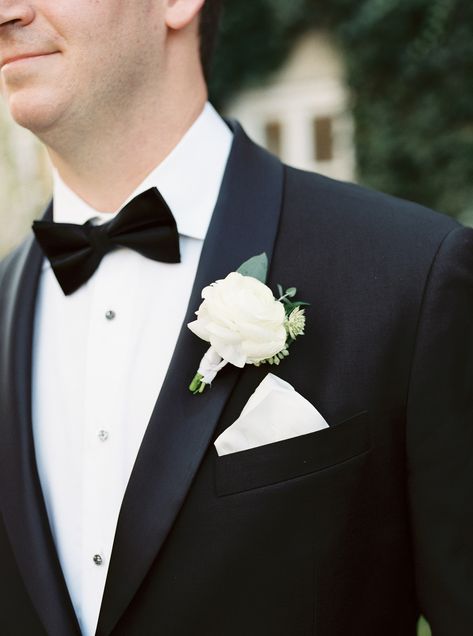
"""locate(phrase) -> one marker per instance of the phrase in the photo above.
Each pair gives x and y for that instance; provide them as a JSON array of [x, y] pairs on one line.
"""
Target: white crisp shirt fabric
[[96, 378]]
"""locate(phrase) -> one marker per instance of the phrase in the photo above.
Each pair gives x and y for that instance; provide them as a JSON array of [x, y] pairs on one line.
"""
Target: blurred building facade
[[301, 114]]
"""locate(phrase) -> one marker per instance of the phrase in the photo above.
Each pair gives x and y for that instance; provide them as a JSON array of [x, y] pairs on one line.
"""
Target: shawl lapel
[[244, 223]]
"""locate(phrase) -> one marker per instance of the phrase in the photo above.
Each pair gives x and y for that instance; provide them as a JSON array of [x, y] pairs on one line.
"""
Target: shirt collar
[[189, 179]]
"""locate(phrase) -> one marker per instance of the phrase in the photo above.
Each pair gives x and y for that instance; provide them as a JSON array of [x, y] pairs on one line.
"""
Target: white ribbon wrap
[[210, 365]]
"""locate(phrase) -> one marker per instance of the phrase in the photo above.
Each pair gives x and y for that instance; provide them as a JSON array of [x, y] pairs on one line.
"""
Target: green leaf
[[291, 292], [257, 267]]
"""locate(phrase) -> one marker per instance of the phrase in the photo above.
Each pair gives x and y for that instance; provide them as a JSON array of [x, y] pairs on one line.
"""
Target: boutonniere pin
[[244, 323]]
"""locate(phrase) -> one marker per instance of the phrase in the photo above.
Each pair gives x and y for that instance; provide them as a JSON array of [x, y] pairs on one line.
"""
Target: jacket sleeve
[[439, 440]]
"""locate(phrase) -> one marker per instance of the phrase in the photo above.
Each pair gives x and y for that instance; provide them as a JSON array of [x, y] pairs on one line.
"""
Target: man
[[118, 515]]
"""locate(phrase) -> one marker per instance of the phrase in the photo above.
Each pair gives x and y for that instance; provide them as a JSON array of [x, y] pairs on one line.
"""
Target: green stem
[[197, 386]]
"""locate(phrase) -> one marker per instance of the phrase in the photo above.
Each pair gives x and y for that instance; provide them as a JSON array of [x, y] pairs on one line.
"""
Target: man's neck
[[105, 169]]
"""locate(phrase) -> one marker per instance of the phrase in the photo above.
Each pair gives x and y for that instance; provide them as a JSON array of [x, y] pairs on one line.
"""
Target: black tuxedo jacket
[[352, 530]]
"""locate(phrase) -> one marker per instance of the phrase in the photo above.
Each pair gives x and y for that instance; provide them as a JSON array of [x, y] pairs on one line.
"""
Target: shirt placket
[[103, 443]]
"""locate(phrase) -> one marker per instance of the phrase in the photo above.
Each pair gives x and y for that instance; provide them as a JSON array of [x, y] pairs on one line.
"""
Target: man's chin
[[35, 116]]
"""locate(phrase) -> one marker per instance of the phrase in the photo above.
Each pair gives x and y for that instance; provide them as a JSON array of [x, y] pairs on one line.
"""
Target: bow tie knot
[[98, 239], [146, 225]]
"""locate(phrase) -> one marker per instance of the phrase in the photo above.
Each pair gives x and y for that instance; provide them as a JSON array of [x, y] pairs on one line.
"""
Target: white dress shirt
[[100, 356]]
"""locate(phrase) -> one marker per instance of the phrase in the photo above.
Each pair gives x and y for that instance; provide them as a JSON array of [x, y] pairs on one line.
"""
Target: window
[[323, 138], [273, 136]]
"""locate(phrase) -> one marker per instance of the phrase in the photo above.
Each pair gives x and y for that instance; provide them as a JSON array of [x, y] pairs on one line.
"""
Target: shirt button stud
[[98, 559], [110, 314], [103, 435]]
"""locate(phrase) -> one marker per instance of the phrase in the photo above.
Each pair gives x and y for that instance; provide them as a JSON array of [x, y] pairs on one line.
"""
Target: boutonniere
[[244, 322]]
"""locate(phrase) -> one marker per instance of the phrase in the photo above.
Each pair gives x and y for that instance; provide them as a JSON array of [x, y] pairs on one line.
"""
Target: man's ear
[[180, 13]]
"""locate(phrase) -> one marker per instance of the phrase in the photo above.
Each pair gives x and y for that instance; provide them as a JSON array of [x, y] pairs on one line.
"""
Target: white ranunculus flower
[[241, 319]]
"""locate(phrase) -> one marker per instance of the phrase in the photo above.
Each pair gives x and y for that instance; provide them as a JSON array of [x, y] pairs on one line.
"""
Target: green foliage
[[256, 266], [423, 628], [410, 69]]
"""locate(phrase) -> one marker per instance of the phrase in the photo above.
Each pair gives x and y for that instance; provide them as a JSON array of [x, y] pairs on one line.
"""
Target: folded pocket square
[[274, 412]]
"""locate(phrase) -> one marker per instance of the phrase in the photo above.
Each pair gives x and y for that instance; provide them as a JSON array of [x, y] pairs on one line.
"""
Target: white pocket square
[[274, 412]]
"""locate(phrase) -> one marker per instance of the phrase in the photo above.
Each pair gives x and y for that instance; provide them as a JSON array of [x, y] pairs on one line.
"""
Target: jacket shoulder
[[338, 206]]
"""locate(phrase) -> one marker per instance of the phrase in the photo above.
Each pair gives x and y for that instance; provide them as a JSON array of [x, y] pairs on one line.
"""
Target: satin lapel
[[244, 223], [22, 504]]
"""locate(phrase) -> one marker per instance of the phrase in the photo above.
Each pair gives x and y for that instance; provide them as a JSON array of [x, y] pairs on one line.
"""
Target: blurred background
[[373, 91]]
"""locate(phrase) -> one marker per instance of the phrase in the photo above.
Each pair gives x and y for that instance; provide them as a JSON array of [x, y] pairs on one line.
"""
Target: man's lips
[[24, 56]]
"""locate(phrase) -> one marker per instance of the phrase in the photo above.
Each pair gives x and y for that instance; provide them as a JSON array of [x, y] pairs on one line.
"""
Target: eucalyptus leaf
[[257, 267], [291, 292]]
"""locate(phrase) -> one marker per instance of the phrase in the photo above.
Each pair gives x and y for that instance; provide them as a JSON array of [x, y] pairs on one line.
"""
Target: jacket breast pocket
[[295, 457]]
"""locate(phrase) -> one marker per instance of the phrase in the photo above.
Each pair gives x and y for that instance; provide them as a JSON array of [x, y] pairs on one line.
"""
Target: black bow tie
[[146, 225]]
